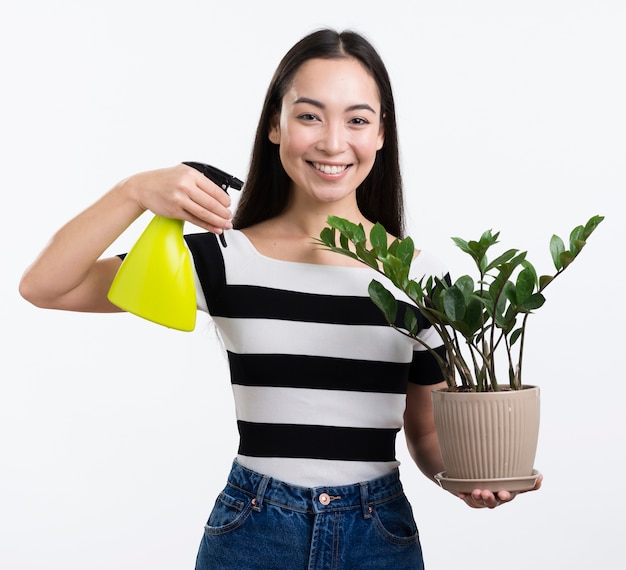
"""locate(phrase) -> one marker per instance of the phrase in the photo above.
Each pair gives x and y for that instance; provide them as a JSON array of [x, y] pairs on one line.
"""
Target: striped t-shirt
[[319, 377]]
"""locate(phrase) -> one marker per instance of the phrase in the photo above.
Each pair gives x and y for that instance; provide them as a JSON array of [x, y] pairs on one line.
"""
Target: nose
[[333, 138]]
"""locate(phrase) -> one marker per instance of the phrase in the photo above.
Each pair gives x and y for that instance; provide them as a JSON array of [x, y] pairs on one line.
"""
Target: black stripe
[[246, 301], [207, 257], [297, 371], [425, 369], [316, 442]]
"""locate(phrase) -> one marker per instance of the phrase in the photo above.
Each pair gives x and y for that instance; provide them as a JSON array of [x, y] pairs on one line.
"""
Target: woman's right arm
[[69, 273]]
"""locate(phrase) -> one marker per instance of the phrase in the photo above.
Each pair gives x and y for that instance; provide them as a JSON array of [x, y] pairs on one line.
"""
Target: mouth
[[330, 168]]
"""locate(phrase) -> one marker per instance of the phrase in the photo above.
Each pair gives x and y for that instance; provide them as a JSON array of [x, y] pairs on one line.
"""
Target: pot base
[[511, 484]]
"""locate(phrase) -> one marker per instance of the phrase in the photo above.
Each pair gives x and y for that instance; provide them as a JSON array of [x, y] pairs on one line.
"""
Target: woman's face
[[329, 129]]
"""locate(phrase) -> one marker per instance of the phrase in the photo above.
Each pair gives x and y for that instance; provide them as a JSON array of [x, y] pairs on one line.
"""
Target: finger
[[209, 188], [474, 499], [208, 209], [504, 496], [485, 498], [210, 223]]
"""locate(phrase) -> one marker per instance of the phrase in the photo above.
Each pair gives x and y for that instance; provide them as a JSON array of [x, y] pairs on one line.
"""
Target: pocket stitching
[[233, 525], [392, 538]]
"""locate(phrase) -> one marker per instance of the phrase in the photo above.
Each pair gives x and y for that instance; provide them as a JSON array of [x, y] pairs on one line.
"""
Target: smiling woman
[[322, 384], [349, 57], [329, 130]]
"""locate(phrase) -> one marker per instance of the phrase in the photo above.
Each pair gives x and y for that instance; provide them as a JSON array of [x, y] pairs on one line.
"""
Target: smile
[[329, 168]]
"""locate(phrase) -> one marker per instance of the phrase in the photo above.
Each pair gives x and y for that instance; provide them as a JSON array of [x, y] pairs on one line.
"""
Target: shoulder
[[202, 243], [426, 263]]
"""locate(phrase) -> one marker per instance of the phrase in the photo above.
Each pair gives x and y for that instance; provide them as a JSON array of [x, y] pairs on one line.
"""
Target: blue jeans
[[261, 523]]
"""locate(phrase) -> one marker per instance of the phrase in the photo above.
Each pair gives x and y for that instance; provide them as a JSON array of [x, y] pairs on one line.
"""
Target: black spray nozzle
[[219, 177]]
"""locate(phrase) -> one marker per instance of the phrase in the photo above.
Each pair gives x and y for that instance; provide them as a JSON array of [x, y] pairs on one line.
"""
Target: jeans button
[[324, 498]]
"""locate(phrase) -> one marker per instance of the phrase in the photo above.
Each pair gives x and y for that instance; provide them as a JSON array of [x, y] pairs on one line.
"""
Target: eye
[[307, 117], [359, 121]]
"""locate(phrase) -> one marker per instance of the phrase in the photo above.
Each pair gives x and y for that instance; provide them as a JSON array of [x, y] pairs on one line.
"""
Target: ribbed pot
[[487, 435]]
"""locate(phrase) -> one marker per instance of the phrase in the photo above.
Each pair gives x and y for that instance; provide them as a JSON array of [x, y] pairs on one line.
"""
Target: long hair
[[266, 192]]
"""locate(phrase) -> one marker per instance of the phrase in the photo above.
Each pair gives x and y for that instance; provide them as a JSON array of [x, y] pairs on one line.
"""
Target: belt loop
[[260, 493], [365, 506]]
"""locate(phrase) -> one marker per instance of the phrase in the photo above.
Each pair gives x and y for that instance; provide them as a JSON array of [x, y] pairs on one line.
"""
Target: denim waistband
[[264, 489]]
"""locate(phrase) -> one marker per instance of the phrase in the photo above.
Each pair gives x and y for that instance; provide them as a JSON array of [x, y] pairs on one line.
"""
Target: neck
[[308, 220]]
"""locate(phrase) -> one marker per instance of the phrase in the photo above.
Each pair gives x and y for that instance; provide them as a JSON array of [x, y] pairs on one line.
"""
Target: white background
[[116, 434]]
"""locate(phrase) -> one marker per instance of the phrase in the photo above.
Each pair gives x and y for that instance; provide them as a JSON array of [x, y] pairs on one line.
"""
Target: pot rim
[[505, 390]]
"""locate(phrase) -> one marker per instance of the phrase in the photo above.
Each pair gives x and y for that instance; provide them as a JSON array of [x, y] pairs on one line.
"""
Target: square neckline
[[250, 245]]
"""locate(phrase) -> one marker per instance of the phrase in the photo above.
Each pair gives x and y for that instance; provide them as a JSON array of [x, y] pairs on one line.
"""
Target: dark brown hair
[[266, 192]]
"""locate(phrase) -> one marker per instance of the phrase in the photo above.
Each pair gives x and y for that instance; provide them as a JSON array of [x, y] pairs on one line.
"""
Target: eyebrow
[[320, 105]]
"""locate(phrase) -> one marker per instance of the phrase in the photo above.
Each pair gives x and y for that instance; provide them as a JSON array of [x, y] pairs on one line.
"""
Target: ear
[[381, 133], [274, 130]]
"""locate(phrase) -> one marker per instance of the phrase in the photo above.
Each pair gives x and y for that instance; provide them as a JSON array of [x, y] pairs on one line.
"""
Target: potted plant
[[487, 429]]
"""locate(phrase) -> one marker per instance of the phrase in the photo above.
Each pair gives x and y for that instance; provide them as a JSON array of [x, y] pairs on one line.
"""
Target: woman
[[322, 385]]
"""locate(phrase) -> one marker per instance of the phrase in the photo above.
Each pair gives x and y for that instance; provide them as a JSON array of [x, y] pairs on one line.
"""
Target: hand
[[483, 499], [183, 193]]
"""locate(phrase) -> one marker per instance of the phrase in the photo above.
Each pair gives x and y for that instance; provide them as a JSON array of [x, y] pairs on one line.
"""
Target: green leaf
[[497, 285], [378, 238], [327, 236], [592, 224], [515, 335], [466, 285], [384, 300], [499, 310], [506, 256], [454, 303], [488, 239], [533, 302], [341, 224], [545, 280], [406, 251], [415, 292], [353, 232], [474, 314], [393, 247], [576, 246], [510, 292], [528, 266], [435, 292], [463, 245], [510, 318], [519, 259], [577, 239], [566, 258], [410, 321], [391, 268], [557, 247], [525, 285], [366, 256]]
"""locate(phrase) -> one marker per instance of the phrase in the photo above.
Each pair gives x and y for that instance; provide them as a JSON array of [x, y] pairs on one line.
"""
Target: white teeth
[[329, 169]]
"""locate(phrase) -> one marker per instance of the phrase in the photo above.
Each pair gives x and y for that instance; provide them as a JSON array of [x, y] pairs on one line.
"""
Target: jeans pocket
[[395, 523], [231, 510]]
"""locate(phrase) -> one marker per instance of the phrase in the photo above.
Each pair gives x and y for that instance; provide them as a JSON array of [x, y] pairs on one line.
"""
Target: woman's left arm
[[419, 429]]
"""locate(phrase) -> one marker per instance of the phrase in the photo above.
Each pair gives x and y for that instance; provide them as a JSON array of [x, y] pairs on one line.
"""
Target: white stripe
[[246, 266], [265, 336], [318, 472], [262, 404]]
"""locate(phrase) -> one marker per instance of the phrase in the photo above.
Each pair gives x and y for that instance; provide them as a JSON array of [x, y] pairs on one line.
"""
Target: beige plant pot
[[488, 440]]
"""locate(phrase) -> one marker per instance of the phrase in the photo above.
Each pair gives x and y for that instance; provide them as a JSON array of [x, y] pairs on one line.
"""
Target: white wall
[[115, 434]]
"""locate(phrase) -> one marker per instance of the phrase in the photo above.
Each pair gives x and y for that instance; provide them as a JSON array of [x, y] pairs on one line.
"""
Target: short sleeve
[[425, 369]]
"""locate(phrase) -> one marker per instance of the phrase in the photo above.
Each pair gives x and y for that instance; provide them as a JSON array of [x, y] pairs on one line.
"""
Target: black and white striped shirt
[[319, 378]]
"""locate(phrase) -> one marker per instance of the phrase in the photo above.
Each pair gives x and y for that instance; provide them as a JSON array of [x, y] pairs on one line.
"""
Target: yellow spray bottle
[[155, 280]]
